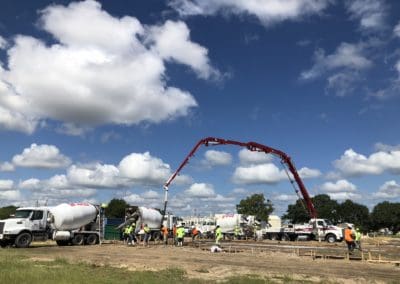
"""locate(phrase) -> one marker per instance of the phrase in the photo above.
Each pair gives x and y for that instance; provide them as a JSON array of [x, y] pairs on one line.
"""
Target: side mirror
[[12, 216]]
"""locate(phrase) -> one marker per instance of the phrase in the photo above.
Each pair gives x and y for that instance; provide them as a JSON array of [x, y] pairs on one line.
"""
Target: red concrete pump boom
[[252, 146]]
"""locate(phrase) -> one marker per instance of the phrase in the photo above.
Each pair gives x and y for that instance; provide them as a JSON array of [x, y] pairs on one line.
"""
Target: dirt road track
[[206, 265]]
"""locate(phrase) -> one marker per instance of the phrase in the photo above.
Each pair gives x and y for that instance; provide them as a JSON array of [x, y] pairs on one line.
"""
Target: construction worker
[[132, 233], [195, 233], [349, 238], [236, 232], [125, 234], [358, 239], [174, 235], [218, 235], [164, 232], [180, 234], [147, 235]]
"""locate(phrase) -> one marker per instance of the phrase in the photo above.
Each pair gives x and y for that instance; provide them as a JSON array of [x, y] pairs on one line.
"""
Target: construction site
[[307, 262], [316, 251]]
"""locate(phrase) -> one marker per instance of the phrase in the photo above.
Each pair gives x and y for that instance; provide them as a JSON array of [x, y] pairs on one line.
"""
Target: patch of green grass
[[17, 267], [18, 270]]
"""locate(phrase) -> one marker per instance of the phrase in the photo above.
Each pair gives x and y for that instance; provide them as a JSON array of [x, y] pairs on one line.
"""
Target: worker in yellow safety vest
[[147, 235], [180, 234], [236, 232], [218, 234]]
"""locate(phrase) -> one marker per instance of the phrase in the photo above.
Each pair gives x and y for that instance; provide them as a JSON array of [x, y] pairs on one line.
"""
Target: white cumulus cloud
[[58, 188], [144, 168], [10, 195], [6, 167], [217, 158], [106, 63], [285, 197], [252, 157], [346, 57], [354, 164], [339, 186], [396, 30], [172, 42], [309, 173], [3, 42], [344, 195], [98, 175], [41, 156], [6, 184], [258, 174], [390, 189], [268, 12], [370, 13], [200, 190]]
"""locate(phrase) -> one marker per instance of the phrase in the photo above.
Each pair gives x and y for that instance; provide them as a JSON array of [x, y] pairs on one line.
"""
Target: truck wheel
[[91, 239], [330, 238], [77, 240], [285, 238], [62, 243], [23, 240]]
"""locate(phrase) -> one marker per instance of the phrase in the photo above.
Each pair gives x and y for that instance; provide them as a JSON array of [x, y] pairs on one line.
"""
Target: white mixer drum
[[150, 216], [69, 216]]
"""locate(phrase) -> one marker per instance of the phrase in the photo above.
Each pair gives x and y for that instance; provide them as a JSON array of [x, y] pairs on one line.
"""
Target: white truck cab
[[323, 229], [27, 224]]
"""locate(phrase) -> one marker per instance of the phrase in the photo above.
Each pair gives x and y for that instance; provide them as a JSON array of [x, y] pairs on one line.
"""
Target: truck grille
[[1, 227]]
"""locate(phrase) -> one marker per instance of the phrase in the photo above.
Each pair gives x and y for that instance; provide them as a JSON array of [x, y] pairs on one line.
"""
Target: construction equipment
[[318, 225], [255, 147], [68, 223]]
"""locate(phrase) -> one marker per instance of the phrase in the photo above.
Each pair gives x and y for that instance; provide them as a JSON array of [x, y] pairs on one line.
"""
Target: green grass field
[[16, 267]]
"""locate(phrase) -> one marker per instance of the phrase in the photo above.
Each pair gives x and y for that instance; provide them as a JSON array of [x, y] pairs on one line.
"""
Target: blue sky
[[102, 100]]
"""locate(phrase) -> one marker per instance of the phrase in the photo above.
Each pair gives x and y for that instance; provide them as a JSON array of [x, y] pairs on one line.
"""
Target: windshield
[[328, 222], [22, 213]]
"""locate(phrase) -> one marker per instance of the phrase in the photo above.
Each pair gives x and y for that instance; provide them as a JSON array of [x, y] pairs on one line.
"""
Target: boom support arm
[[252, 146]]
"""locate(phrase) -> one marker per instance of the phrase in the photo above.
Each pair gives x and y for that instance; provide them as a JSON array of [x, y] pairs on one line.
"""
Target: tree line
[[383, 215]]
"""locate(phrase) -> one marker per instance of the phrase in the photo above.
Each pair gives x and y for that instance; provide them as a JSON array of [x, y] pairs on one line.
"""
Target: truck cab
[[323, 229], [27, 224]]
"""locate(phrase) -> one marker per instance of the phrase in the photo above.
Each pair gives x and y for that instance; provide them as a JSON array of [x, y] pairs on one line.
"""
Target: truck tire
[[91, 239], [285, 238], [62, 243], [77, 240], [23, 240], [330, 238]]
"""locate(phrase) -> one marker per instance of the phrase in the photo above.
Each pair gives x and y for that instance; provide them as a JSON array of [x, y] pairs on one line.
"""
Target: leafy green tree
[[255, 205], [5, 212], [324, 205], [386, 215], [116, 208], [350, 212], [297, 213]]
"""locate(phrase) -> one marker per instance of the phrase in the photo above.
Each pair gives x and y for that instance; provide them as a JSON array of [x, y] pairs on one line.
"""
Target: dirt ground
[[271, 259]]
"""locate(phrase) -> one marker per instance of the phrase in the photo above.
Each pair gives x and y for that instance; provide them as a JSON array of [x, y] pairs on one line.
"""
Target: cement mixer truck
[[67, 224], [141, 216], [228, 222]]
